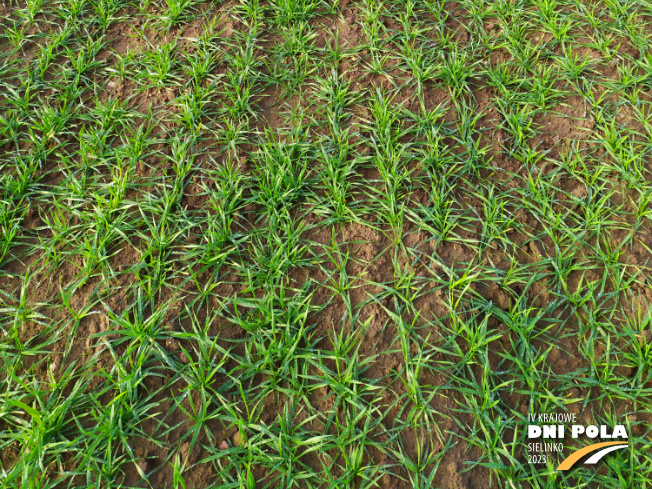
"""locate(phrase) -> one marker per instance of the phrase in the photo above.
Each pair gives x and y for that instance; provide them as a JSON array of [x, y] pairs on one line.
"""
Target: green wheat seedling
[[321, 244], [178, 12]]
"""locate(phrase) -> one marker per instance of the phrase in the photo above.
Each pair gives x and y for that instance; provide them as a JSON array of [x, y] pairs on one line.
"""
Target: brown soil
[[371, 260]]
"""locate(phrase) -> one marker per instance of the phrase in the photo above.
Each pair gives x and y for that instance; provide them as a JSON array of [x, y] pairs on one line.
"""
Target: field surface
[[297, 243]]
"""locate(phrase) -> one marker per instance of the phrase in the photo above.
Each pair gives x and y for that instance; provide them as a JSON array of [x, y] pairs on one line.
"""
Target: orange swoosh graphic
[[574, 457]]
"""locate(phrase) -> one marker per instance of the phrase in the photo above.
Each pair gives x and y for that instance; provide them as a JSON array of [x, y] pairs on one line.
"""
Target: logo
[[604, 448], [547, 439]]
